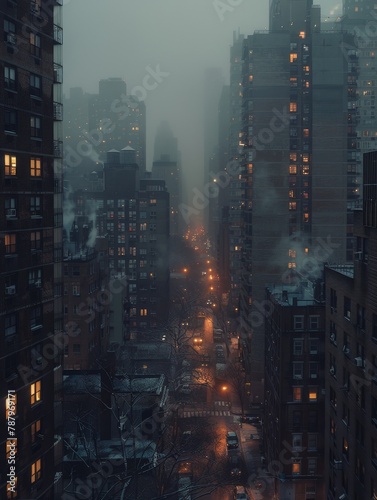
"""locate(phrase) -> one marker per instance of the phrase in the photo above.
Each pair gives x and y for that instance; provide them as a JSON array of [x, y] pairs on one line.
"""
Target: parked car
[[205, 360], [240, 493], [231, 440], [251, 419]]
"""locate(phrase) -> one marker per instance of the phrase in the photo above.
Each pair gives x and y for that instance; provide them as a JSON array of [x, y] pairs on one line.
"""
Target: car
[[240, 493], [235, 472], [231, 440], [205, 360], [251, 419]]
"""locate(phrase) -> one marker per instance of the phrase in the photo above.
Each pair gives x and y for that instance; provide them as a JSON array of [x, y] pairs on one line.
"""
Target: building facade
[[31, 280], [293, 431], [351, 358], [299, 145]]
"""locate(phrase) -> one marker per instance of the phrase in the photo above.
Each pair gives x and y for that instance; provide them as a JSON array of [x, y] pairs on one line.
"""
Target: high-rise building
[[351, 357], [213, 84], [236, 183], [167, 167], [31, 280], [299, 149]]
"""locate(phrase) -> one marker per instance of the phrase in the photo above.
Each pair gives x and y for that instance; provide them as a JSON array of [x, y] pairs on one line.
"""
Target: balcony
[[58, 111], [58, 34], [58, 149], [58, 73]]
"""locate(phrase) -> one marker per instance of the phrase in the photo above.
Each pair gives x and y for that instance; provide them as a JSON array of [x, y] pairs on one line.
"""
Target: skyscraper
[[299, 148], [31, 319]]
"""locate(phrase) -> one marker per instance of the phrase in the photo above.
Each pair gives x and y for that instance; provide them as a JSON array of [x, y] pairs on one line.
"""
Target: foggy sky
[[129, 38]]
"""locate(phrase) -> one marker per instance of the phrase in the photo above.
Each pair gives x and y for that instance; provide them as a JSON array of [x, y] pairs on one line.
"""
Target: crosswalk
[[206, 413], [221, 403], [222, 409]]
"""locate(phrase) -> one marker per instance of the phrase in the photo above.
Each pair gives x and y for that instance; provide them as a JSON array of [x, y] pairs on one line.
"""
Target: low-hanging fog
[[129, 38]]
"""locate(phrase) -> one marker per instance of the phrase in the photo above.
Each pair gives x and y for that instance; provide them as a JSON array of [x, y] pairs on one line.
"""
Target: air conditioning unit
[[346, 349], [332, 370], [332, 337], [11, 212], [11, 38], [359, 361], [343, 497], [35, 8], [313, 375], [10, 290], [338, 464]]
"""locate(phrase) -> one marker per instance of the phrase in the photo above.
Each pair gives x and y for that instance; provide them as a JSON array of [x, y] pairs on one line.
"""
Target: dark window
[[35, 317], [10, 121], [35, 240], [35, 85], [36, 127], [35, 45], [10, 77], [347, 308], [35, 205]]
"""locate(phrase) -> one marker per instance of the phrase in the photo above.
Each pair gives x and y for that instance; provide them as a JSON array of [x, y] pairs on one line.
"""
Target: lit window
[[305, 132], [291, 193], [143, 312], [10, 244], [36, 471], [305, 158], [297, 393], [293, 107], [35, 392], [12, 493], [292, 205], [312, 394], [10, 164], [11, 450], [292, 57], [293, 169], [296, 468], [292, 253], [291, 265], [305, 170], [302, 34], [35, 167]]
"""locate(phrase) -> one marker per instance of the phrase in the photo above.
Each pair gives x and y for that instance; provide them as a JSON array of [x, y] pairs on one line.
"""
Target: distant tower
[[213, 85], [166, 166]]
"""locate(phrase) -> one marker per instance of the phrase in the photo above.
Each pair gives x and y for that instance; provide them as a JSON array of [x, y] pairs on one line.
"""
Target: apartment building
[[31, 278]]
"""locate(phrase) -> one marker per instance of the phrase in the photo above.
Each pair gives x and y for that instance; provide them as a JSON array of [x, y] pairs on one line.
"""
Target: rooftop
[[306, 293]]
